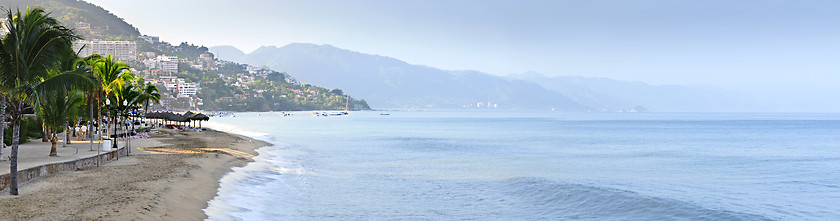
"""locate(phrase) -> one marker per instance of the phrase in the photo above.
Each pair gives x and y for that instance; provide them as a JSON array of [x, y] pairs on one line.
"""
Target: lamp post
[[99, 131], [127, 136]]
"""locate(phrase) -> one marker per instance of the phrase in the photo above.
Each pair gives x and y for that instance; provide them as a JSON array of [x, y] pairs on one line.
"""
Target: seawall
[[48, 169]]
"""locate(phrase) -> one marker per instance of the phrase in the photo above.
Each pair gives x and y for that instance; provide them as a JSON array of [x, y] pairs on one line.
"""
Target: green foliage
[[29, 128], [104, 25], [190, 51]]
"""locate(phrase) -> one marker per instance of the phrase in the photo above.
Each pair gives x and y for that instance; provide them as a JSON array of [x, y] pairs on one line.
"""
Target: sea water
[[532, 165]]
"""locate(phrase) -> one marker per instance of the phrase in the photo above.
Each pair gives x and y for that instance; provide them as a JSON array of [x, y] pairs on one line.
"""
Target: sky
[[731, 44]]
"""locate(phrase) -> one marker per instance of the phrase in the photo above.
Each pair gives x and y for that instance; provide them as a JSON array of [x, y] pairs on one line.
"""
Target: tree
[[54, 109], [32, 47], [148, 93], [92, 94], [337, 92], [111, 75]]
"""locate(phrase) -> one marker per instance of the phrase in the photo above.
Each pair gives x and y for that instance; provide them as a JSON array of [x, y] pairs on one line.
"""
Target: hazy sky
[[727, 43]]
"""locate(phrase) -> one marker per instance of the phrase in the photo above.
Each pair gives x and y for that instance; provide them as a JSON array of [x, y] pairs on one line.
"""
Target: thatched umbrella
[[189, 115], [153, 116], [169, 116], [201, 117], [184, 120]]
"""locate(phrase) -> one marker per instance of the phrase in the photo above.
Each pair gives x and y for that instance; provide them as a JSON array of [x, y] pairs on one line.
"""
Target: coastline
[[146, 185]]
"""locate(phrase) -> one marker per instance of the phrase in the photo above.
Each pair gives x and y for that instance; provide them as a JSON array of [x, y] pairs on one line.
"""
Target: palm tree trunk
[[13, 182], [98, 129], [2, 124], [44, 133], [90, 121], [99, 119], [53, 140], [67, 130]]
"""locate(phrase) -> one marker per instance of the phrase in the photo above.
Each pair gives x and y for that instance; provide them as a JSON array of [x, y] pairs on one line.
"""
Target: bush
[[29, 128]]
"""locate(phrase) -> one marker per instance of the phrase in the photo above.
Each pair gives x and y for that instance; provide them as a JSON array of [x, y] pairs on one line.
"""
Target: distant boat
[[334, 113], [384, 114], [225, 114], [329, 113]]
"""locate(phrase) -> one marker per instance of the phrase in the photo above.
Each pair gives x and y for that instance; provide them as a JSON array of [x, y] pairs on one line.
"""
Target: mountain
[[613, 95], [386, 82], [103, 24], [226, 52]]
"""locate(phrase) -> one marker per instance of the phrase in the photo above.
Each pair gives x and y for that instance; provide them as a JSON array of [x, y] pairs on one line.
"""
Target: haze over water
[[451, 165], [781, 52]]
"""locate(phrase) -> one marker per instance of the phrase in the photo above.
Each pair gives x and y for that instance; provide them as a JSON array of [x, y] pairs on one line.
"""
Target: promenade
[[35, 153]]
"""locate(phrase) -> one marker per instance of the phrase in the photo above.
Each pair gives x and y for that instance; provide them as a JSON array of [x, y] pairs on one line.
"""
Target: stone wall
[[44, 170]]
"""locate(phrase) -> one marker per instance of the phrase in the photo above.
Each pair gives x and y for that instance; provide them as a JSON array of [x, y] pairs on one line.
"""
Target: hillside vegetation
[[103, 24], [227, 86]]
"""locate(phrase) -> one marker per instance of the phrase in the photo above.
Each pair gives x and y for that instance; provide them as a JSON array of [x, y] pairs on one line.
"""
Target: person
[[77, 130], [83, 131]]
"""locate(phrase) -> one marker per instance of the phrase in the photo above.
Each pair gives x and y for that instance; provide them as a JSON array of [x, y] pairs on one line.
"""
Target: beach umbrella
[[183, 119], [169, 116], [201, 117], [190, 116]]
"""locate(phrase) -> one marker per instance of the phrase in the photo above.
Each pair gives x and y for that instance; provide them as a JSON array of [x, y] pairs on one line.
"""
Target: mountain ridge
[[330, 66], [391, 83]]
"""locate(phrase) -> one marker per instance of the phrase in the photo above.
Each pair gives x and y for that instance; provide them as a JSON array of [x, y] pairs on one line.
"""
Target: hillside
[[103, 24], [390, 83], [226, 86]]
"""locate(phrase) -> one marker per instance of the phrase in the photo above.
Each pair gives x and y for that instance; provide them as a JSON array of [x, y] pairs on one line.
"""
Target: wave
[[240, 130], [553, 200]]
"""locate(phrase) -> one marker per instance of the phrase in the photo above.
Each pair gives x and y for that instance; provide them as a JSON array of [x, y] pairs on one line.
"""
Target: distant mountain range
[[390, 83], [613, 95], [386, 82]]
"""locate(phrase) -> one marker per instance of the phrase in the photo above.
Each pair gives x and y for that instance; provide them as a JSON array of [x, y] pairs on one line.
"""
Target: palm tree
[[32, 47], [68, 61], [148, 93], [131, 97], [111, 75], [54, 109], [92, 95]]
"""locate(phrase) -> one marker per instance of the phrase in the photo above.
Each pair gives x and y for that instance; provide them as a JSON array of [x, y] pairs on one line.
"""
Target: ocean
[[534, 165]]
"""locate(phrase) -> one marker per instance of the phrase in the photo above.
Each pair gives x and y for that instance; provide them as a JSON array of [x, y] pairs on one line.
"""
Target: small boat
[[225, 114], [384, 114]]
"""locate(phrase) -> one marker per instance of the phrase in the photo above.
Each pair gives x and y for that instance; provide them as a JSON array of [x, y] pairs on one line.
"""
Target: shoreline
[[146, 185]]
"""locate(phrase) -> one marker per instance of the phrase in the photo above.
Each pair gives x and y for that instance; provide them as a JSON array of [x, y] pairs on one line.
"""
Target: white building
[[120, 50], [163, 62], [187, 89], [169, 82]]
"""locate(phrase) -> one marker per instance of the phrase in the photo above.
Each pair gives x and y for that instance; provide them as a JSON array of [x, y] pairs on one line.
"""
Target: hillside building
[[163, 62], [150, 39], [120, 50], [187, 89]]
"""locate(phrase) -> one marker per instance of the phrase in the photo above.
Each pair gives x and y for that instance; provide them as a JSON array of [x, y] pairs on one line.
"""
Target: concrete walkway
[[36, 153]]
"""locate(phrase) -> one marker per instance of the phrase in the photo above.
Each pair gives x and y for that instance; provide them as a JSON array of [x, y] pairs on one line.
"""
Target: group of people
[[81, 131]]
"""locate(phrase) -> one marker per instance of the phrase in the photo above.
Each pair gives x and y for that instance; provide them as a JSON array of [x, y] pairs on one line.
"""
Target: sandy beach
[[148, 185]]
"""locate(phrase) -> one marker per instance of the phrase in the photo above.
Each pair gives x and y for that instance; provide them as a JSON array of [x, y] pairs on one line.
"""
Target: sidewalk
[[36, 153]]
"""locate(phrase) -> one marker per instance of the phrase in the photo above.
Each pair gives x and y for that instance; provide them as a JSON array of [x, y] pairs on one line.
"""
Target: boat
[[333, 113], [225, 114]]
